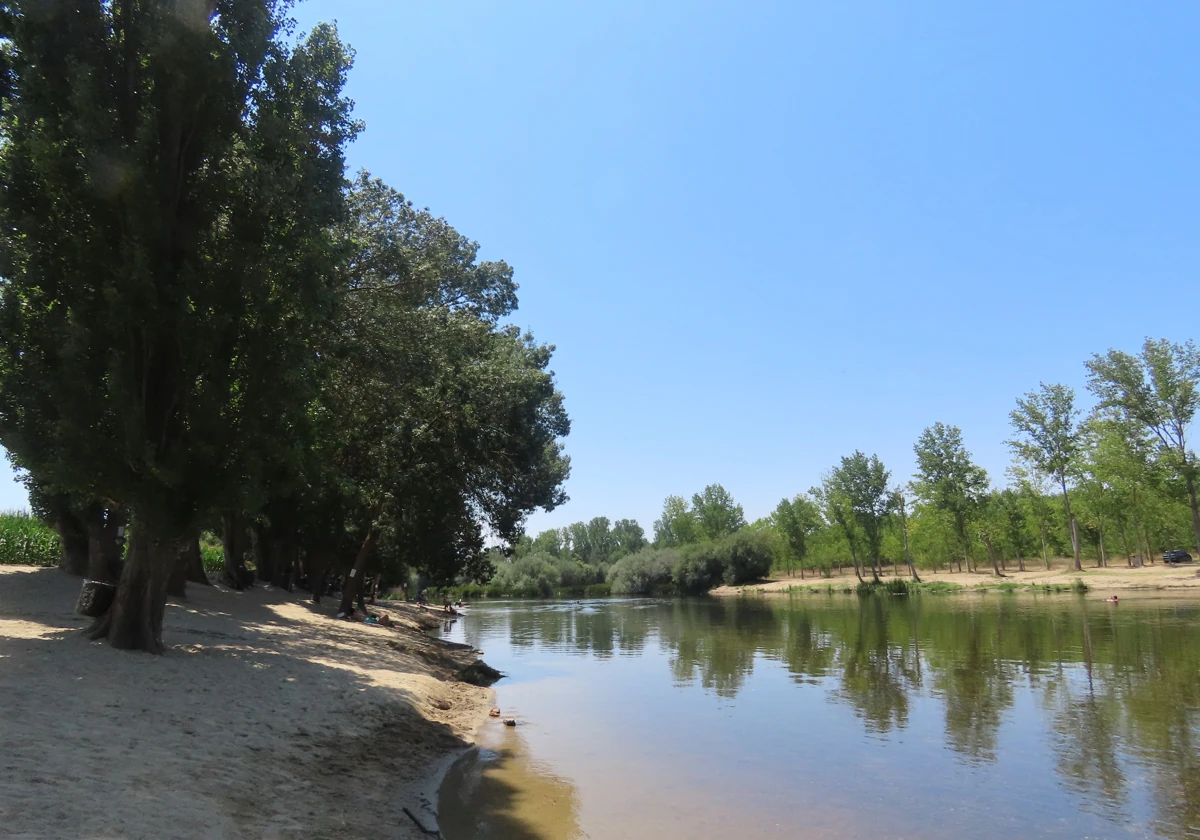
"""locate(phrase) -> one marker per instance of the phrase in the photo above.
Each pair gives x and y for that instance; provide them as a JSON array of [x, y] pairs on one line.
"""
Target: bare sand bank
[[1181, 580], [265, 718]]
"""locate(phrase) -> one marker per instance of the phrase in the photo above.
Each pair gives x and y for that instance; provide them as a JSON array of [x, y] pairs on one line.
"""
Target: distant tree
[[1160, 391], [1049, 439], [948, 479], [861, 484], [677, 526], [717, 515], [628, 536], [795, 519], [1012, 523], [838, 510], [900, 504], [548, 542]]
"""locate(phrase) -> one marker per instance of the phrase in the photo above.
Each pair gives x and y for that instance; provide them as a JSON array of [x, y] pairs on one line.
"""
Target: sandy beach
[[265, 718], [1117, 577]]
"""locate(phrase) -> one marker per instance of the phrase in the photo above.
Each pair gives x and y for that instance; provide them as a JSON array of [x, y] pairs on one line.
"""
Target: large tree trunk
[[265, 552], [317, 566], [285, 559], [195, 563], [104, 552], [987, 541], [354, 580], [177, 580], [854, 560], [1071, 525], [1045, 548], [1125, 544], [233, 542], [134, 622], [73, 542]]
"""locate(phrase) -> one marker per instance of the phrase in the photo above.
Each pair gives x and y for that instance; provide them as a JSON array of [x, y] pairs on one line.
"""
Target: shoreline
[[266, 717], [1180, 580]]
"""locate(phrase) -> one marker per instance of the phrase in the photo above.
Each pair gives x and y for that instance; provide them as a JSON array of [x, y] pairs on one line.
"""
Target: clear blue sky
[[765, 234]]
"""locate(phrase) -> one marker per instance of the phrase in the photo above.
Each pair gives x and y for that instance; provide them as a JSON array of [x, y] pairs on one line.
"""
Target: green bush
[[25, 541], [644, 572], [213, 558], [746, 556], [540, 575], [699, 569]]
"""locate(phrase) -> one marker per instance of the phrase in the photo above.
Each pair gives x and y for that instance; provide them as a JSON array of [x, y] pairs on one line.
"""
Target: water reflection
[[1103, 702]]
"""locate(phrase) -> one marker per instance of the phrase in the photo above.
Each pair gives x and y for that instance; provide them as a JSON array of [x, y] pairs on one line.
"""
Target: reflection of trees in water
[[1116, 684], [716, 641]]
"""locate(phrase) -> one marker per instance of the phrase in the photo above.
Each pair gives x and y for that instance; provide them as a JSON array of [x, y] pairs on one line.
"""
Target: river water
[[988, 716]]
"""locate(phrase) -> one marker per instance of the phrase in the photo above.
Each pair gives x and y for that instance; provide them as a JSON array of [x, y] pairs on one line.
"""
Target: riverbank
[[266, 717], [1183, 578]]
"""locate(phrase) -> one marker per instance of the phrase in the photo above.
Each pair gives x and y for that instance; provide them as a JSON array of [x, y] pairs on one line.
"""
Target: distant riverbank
[[1113, 578]]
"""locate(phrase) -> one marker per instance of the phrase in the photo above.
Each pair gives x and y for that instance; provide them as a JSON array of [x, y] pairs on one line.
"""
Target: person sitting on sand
[[385, 620]]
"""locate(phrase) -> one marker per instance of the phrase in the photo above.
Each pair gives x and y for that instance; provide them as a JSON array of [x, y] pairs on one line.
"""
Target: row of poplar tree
[[1118, 480], [205, 324]]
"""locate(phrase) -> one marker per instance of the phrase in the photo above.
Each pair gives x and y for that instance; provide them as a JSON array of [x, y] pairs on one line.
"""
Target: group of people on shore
[[448, 608]]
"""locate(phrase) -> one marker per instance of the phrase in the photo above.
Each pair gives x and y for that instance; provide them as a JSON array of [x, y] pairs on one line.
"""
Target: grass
[[25, 541]]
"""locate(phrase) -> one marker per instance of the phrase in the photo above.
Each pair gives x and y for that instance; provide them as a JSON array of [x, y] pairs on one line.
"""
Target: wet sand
[[265, 718]]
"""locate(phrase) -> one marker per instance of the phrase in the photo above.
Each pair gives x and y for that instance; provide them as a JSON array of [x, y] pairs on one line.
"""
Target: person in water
[[1111, 599]]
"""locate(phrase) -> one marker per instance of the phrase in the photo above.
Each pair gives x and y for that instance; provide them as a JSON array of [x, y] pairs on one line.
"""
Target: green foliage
[[645, 572], [948, 480], [677, 526], [212, 557], [1048, 431], [717, 515], [796, 520], [540, 575], [25, 541], [745, 556]]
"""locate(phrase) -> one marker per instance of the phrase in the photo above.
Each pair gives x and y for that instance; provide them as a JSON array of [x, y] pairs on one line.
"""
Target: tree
[[1160, 391], [1012, 523], [900, 504], [948, 479], [677, 526], [173, 177], [1048, 438], [838, 510], [861, 484], [628, 536], [795, 519], [717, 515]]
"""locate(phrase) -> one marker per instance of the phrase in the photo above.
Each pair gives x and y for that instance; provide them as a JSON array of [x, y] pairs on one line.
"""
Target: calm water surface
[[993, 716]]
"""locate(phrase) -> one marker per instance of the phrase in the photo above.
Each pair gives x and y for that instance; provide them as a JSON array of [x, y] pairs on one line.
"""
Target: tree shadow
[[261, 723]]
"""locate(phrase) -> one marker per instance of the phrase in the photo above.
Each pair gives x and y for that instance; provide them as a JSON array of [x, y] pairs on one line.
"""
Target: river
[[814, 716]]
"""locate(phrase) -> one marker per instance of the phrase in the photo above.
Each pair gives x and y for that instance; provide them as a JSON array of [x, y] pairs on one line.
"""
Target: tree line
[[1119, 480], [206, 325]]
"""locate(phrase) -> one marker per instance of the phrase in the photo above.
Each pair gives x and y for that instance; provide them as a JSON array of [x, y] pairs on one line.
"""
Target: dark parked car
[[1177, 557]]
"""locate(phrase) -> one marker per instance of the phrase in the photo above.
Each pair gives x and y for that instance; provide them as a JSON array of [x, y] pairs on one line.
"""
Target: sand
[[265, 718], [1117, 577]]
